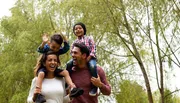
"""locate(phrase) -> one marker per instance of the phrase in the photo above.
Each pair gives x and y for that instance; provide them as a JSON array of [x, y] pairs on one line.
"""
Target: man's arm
[[102, 82]]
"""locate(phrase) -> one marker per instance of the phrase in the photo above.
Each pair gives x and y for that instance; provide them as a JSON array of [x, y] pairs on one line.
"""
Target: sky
[[5, 5], [173, 82]]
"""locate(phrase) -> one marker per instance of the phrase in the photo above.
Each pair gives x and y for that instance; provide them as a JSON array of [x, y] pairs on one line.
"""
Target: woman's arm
[[66, 98], [102, 82], [31, 91]]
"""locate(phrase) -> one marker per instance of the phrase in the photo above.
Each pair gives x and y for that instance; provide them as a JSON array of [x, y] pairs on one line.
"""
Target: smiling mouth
[[74, 61], [78, 33], [52, 66]]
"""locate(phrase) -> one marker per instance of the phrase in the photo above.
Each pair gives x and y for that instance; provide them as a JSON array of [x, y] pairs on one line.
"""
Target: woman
[[53, 88]]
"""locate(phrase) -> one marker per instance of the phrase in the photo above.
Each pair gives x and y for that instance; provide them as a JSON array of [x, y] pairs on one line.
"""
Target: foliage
[[131, 36], [131, 92]]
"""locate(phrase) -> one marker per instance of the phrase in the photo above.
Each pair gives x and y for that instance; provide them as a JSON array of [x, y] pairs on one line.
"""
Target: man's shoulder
[[99, 69]]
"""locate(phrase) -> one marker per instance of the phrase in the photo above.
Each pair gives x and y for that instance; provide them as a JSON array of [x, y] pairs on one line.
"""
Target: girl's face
[[51, 63], [79, 31]]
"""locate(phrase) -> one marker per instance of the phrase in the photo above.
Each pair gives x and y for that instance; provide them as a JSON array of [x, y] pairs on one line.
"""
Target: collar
[[80, 37]]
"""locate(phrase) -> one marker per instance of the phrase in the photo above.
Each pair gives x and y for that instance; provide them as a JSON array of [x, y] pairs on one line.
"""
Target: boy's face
[[79, 31], [54, 46]]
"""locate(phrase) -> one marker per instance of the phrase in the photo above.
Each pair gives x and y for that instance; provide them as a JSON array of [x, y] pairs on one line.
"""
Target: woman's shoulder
[[34, 79]]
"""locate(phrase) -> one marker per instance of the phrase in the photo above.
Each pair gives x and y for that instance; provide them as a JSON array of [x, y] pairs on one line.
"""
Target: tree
[[130, 35], [131, 92], [22, 32], [140, 28]]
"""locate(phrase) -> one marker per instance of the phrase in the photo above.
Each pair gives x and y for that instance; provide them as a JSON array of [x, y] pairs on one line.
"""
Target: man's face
[[77, 56], [54, 46]]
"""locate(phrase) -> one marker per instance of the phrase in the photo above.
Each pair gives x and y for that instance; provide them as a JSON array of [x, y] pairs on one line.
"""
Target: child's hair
[[82, 25], [57, 38]]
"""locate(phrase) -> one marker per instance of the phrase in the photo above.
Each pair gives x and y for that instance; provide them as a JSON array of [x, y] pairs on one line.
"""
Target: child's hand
[[45, 38], [88, 58], [64, 38]]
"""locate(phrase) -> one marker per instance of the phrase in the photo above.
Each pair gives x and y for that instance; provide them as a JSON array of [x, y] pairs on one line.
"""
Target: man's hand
[[96, 81]]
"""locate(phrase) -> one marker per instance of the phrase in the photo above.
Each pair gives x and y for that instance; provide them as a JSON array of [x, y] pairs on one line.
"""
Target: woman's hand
[[35, 96], [36, 92]]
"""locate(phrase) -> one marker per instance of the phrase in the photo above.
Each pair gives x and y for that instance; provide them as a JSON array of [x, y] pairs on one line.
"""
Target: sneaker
[[93, 91], [40, 98], [75, 92]]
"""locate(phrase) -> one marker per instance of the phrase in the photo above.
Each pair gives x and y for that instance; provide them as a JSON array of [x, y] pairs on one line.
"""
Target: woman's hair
[[42, 59], [82, 25]]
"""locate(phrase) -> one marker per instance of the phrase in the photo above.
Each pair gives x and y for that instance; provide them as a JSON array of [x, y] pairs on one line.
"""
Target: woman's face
[[51, 63]]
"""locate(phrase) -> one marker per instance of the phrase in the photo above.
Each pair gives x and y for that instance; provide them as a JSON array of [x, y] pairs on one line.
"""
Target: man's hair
[[82, 25], [57, 38], [83, 48]]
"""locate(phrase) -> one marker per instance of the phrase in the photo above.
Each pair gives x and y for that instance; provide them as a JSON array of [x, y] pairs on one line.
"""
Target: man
[[82, 78]]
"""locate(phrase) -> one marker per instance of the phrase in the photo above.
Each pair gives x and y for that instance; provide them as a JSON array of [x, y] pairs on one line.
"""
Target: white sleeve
[[66, 98], [31, 91]]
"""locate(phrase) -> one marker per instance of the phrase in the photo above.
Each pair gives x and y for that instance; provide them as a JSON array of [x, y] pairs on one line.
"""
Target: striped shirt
[[82, 79], [89, 42]]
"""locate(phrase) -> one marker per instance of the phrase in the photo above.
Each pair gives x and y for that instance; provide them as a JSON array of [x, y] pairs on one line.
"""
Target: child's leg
[[75, 92], [93, 70], [68, 80], [40, 77], [93, 67], [69, 65]]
